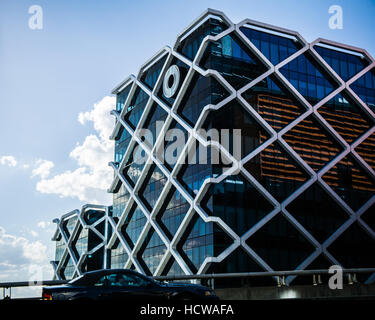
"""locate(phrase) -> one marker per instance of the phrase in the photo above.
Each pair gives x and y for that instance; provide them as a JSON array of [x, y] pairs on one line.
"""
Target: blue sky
[[55, 83]]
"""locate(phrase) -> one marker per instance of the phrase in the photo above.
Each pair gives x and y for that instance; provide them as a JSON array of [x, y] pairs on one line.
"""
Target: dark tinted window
[[121, 280]]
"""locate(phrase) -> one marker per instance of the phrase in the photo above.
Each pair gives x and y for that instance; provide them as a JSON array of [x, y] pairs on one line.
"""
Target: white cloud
[[34, 233], [9, 161], [100, 116], [43, 224], [23, 260], [43, 168], [92, 178], [16, 250]]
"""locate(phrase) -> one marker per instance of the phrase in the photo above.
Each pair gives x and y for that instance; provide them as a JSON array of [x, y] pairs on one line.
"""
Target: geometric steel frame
[[68, 239], [279, 207]]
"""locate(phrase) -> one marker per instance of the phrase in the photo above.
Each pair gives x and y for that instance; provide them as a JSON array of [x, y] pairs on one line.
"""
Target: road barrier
[[279, 275]]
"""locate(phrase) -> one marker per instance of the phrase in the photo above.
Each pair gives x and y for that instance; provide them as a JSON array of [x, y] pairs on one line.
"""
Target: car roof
[[109, 271], [102, 272]]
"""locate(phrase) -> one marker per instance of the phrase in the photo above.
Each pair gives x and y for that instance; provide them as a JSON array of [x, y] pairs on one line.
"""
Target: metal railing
[[279, 275]]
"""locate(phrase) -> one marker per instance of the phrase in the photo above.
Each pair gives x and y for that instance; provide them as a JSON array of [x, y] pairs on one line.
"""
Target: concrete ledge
[[360, 291]]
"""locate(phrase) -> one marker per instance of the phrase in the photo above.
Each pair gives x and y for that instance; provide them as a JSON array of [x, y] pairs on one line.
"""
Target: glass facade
[[274, 47], [274, 102], [233, 60], [134, 224], [364, 87], [83, 237], [309, 78], [290, 196]]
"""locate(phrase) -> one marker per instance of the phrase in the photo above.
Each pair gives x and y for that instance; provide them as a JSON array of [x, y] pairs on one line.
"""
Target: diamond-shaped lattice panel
[[318, 212], [237, 202], [200, 92], [313, 143], [235, 116], [364, 87], [277, 171], [133, 225], [346, 65], [274, 102], [280, 244], [366, 150], [198, 241], [346, 117], [152, 186], [350, 182], [350, 248], [230, 57], [276, 48], [172, 212], [309, 78], [152, 251]]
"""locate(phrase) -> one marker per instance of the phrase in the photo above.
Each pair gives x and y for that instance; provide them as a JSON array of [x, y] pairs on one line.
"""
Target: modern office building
[[80, 241], [299, 194]]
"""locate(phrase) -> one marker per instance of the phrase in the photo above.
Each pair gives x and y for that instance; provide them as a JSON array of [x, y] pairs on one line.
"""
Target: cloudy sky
[[55, 100]]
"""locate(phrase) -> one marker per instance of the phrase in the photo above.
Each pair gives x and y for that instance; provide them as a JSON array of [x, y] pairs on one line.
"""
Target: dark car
[[124, 284]]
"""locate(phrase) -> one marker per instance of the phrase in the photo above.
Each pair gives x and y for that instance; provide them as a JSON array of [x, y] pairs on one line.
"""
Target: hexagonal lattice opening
[[136, 107], [121, 144], [317, 212], [133, 225], [351, 248], [274, 102], [313, 143], [309, 78], [367, 150], [151, 252], [280, 244], [151, 74], [172, 212], [350, 182], [68, 225], [152, 186], [118, 256], [234, 116], [170, 150], [233, 60], [346, 117], [237, 202], [346, 65], [200, 164], [364, 87], [190, 45], [68, 269], [154, 123], [200, 92], [134, 165], [201, 240], [276, 170], [80, 242], [120, 200], [274, 47]]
